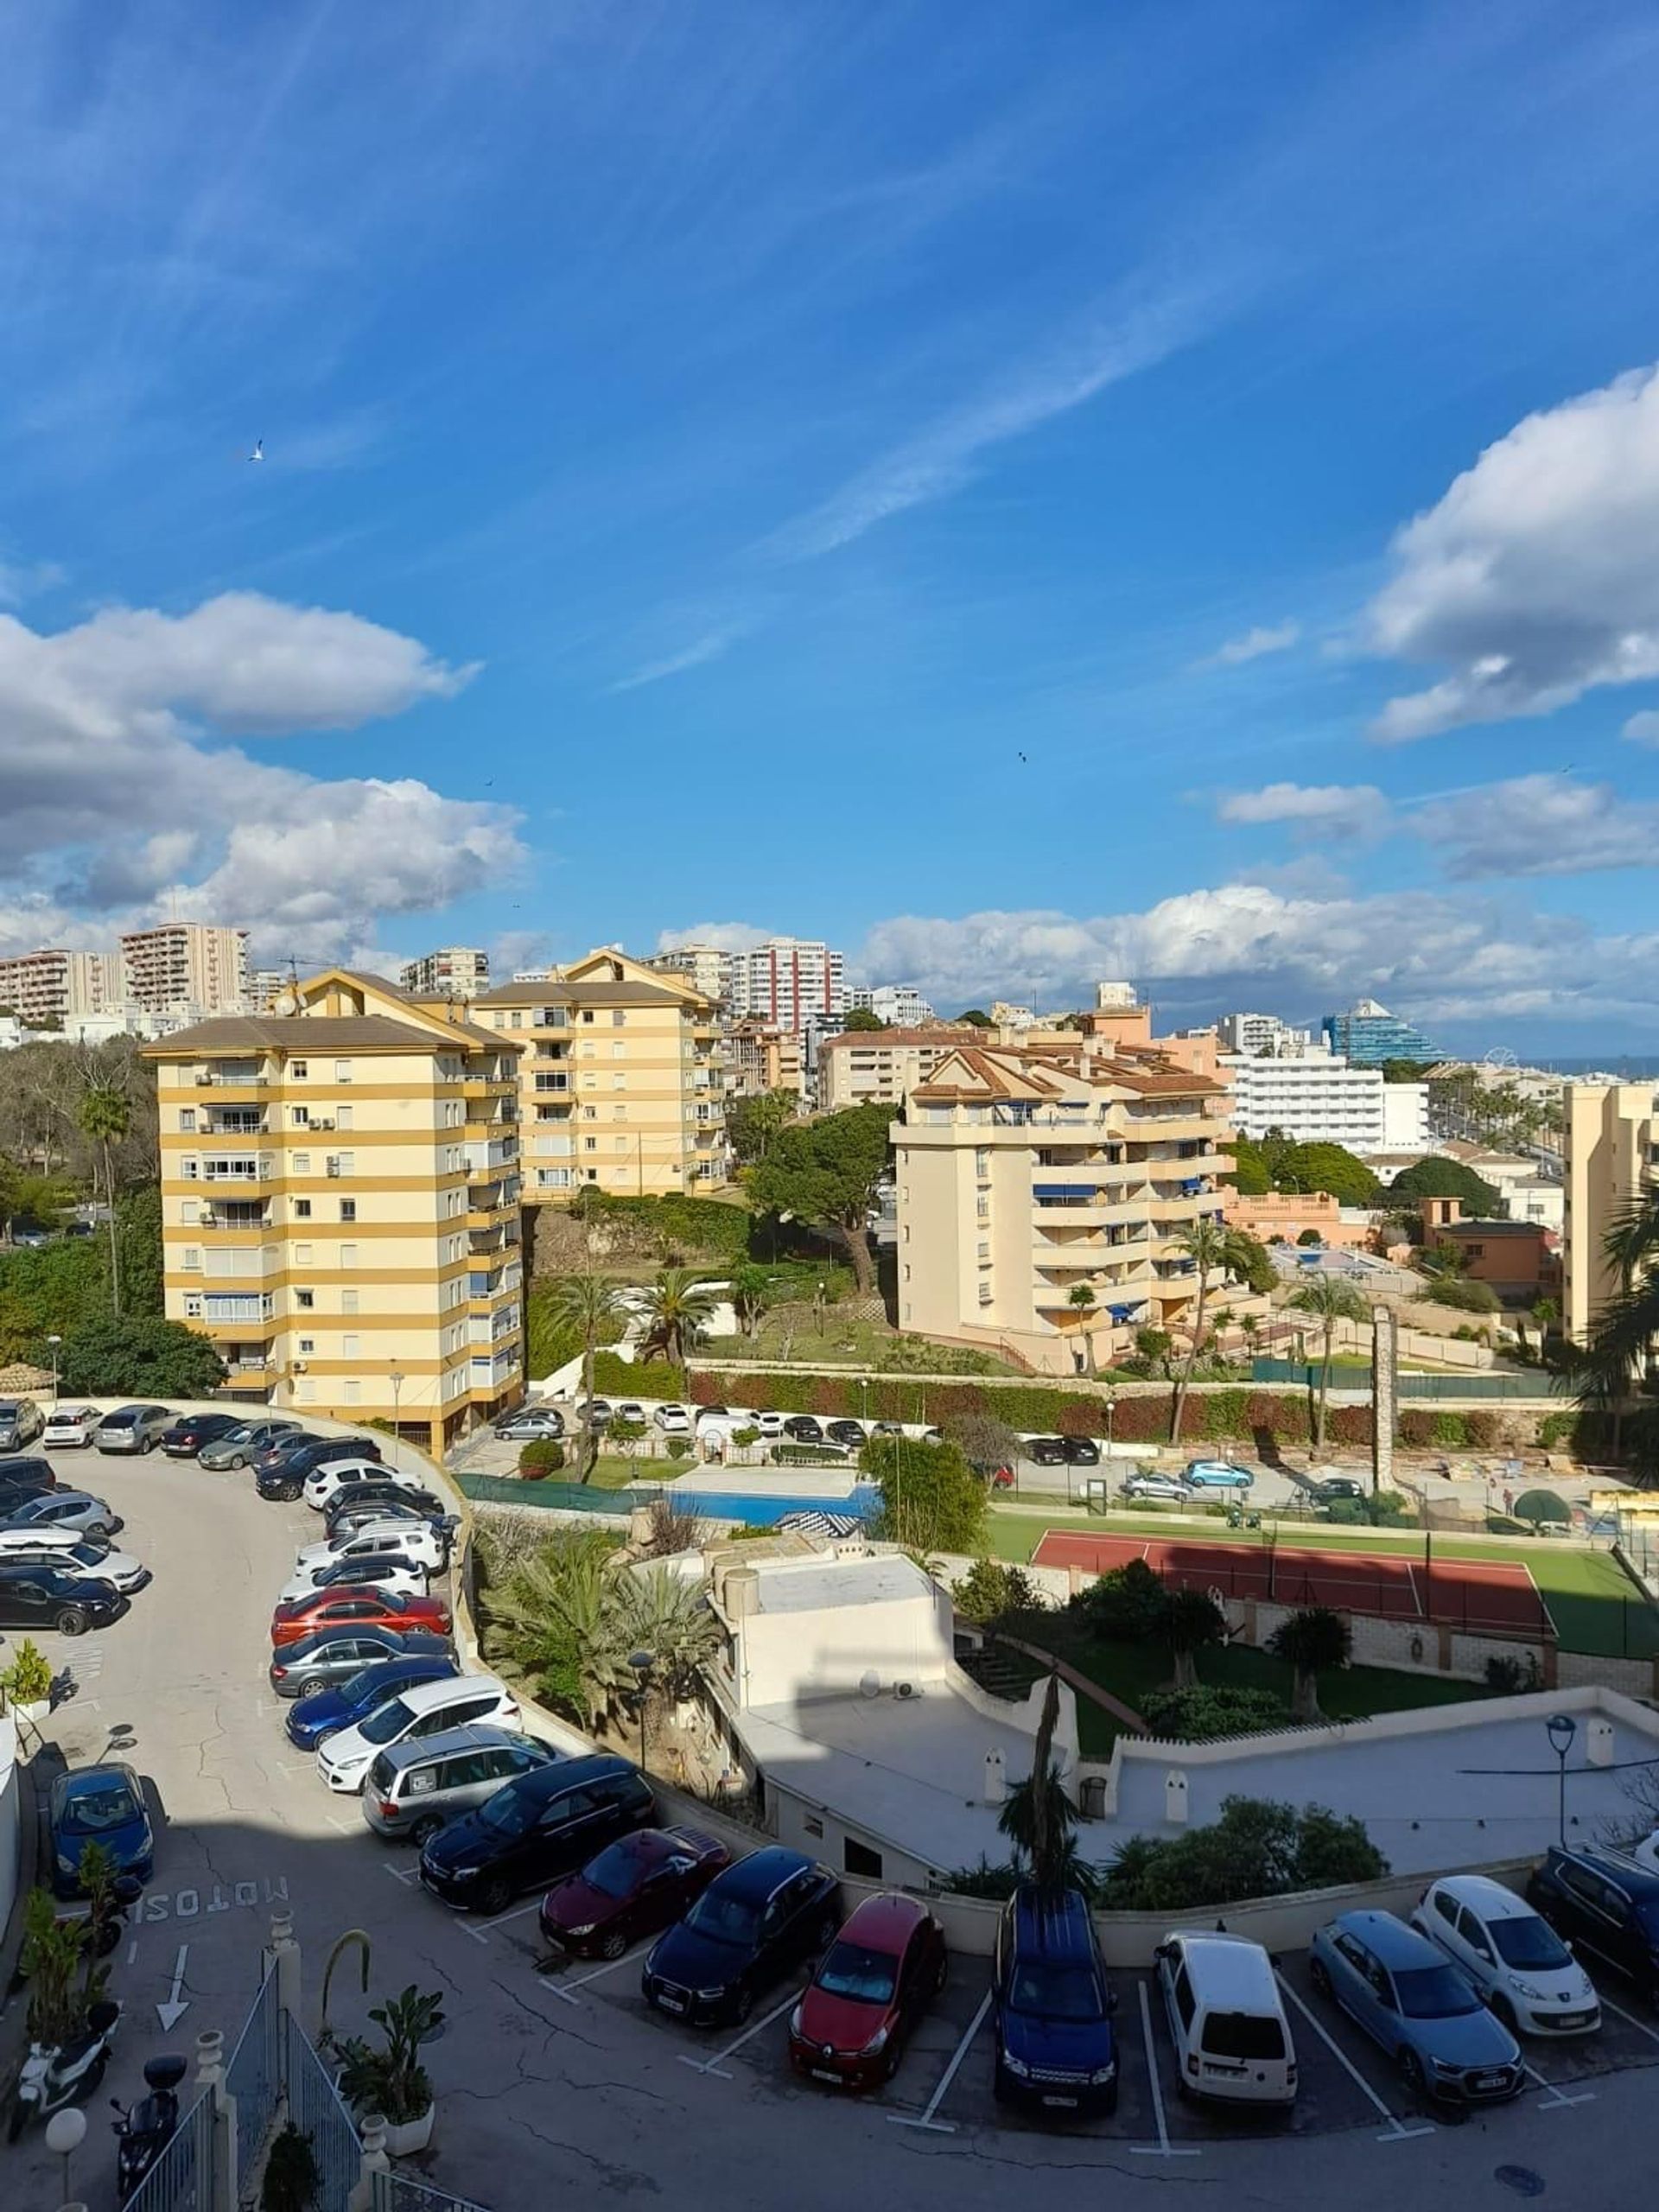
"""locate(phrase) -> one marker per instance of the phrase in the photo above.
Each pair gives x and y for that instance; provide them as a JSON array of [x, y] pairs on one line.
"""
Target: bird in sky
[[1023, 758], [258, 453]]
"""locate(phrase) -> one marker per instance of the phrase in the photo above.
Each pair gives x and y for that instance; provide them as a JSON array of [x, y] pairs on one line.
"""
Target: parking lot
[[551, 2078]]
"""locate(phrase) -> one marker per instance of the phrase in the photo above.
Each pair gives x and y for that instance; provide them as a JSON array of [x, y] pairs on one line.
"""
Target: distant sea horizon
[[1629, 1067]]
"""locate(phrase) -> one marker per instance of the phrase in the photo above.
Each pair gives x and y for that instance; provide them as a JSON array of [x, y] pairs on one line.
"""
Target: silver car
[[21, 1422], [66, 1508], [132, 1428], [415, 1786]]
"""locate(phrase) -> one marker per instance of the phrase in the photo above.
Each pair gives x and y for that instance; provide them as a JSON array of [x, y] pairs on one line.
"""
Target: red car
[[640, 1884], [357, 1606], [872, 1984]]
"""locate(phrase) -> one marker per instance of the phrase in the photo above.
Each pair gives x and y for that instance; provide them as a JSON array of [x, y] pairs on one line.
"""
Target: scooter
[[145, 2129], [57, 2075]]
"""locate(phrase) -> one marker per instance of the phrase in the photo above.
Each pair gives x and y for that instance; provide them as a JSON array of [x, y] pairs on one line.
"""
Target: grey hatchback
[[415, 1787], [21, 1422], [132, 1428]]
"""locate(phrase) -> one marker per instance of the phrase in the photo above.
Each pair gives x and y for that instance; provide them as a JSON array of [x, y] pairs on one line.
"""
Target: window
[[189, 1212], [618, 1112], [348, 1301], [302, 1209], [347, 1163], [857, 1857], [349, 1348], [1184, 2004], [193, 1306], [590, 1144], [306, 1300], [342, 1117], [342, 1071], [619, 1083], [618, 1019], [186, 1119], [812, 1823], [299, 1117], [301, 1163], [307, 1344], [306, 1393], [621, 1144], [348, 1256], [299, 1070], [349, 1209], [619, 1052], [191, 1259], [301, 1256], [587, 1014]]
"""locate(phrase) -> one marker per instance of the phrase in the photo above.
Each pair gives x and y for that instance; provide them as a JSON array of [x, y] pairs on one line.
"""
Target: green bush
[[625, 1432], [1200, 1714], [616, 1377], [1465, 1297], [1126, 1604], [1258, 1848], [1310, 1236], [543, 1457], [991, 1589]]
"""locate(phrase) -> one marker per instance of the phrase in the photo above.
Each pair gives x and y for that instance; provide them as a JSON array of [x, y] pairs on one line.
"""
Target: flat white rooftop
[[786, 1587]]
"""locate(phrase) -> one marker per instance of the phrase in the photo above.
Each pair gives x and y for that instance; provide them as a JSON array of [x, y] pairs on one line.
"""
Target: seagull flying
[[258, 453]]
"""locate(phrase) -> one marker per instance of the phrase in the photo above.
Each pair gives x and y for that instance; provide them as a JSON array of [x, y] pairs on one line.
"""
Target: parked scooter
[[145, 2129], [58, 2074]]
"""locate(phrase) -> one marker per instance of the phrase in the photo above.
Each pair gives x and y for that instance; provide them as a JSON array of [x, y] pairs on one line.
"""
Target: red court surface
[[1464, 1593]]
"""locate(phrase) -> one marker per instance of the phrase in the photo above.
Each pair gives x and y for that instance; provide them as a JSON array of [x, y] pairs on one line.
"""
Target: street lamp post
[[1561, 1728], [54, 1342], [395, 1380], [641, 1662]]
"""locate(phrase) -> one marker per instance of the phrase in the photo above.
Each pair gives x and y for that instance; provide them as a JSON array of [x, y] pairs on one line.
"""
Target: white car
[[1516, 1962], [630, 1409], [87, 1561], [382, 1570], [673, 1420], [1646, 1853], [69, 1429], [323, 1482], [768, 1424], [422, 1709], [417, 1541]]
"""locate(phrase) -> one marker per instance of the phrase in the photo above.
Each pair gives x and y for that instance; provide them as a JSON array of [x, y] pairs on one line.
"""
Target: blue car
[[1414, 2003], [1053, 2007], [103, 1805], [325, 1711], [1216, 1474]]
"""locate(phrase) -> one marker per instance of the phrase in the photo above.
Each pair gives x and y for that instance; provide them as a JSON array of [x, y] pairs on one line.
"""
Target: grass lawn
[[846, 1340], [1594, 1605]]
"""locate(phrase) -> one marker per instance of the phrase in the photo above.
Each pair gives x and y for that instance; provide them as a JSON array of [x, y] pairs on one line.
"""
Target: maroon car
[[638, 1886], [871, 1987]]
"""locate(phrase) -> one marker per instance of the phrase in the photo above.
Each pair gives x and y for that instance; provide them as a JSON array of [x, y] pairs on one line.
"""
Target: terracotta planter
[[411, 2135]]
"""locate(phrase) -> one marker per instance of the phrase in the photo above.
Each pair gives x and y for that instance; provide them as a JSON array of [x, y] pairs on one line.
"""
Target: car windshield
[[1244, 2035], [367, 1690], [85, 1555], [614, 1873], [1434, 1992], [1648, 1920], [854, 1970], [387, 1724], [510, 1811], [1057, 1989], [723, 1919], [244, 1433], [93, 1812], [1527, 1941]]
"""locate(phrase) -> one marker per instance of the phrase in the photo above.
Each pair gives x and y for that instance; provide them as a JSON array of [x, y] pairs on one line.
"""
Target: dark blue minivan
[[1052, 2006]]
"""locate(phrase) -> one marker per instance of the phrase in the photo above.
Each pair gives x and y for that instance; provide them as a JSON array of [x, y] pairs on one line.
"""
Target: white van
[[422, 1709], [1226, 2020]]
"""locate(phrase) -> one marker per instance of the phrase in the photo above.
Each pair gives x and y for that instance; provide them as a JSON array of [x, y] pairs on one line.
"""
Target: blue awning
[[1122, 1312], [1080, 1191]]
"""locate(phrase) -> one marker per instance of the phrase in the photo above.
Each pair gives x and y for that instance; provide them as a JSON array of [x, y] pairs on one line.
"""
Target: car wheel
[[1319, 1974], [614, 1944], [742, 2005], [71, 1622], [1411, 2073], [942, 1975], [423, 1831], [290, 1495], [495, 1894]]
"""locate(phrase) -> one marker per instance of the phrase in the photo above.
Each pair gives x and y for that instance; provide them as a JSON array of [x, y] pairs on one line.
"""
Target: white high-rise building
[[455, 971], [1253, 1034], [194, 964], [902, 1006], [787, 982], [705, 967], [1313, 1099]]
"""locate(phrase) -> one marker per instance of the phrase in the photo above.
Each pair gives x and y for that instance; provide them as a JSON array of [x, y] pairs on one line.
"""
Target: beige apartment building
[[1611, 1144], [52, 987], [760, 1059], [1023, 1174], [864, 1067], [621, 1079], [454, 971], [340, 1196], [186, 964]]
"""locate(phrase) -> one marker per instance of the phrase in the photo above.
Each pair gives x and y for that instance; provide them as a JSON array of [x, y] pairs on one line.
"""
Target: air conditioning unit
[[319, 1125], [333, 1167], [904, 1689]]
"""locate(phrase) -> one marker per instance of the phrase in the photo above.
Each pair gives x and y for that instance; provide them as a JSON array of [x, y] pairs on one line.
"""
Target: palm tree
[[676, 1310], [1311, 1642], [1192, 1620], [1037, 1817], [1081, 1301], [590, 1304], [1213, 1249], [1332, 1300], [106, 1115]]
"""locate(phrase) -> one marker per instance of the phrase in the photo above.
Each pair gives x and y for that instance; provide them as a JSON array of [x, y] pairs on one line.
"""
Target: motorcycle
[[58, 2074], [145, 2129]]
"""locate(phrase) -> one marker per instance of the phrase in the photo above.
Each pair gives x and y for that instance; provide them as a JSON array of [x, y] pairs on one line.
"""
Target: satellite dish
[[285, 1002], [869, 1683]]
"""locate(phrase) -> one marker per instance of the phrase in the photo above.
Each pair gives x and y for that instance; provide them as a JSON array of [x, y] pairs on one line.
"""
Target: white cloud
[[1642, 728], [1533, 580], [21, 580], [725, 937], [710, 646], [1541, 825], [1278, 638], [1331, 809]]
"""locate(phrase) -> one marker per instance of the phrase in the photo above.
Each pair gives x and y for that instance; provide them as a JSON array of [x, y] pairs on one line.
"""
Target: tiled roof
[[299, 1032]]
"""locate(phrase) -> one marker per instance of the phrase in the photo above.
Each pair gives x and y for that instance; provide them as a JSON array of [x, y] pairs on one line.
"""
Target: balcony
[[234, 1122], [498, 1233], [233, 1168], [488, 1088], [227, 1220], [230, 1075], [485, 1155]]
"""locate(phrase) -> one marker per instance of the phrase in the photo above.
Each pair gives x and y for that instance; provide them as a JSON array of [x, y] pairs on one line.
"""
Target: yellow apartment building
[[1022, 1175], [622, 1083], [340, 1205], [1609, 1141]]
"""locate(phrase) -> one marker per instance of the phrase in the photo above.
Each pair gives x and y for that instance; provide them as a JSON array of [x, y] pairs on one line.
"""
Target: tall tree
[[1313, 1642], [1081, 1301], [862, 1017], [106, 1115], [676, 1310], [588, 1304], [1330, 1299], [749, 1283], [825, 1172], [1608, 1366], [931, 1500], [752, 1124], [1213, 1249], [1192, 1620], [1037, 1817]]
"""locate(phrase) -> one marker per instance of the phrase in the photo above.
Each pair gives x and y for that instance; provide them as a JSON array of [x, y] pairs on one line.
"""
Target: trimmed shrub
[[1200, 1714], [1127, 1604], [540, 1459], [1483, 1428]]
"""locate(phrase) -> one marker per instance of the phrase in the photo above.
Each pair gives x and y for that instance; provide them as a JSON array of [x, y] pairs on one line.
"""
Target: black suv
[[1046, 1451], [546, 1823], [33, 1594], [1606, 1903], [757, 1920], [802, 1428]]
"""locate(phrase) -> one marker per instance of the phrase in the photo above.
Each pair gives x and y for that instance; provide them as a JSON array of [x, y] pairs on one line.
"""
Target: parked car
[[872, 1986], [1046, 1451], [69, 1429], [64, 1509], [887, 1428], [301, 1452], [416, 1540], [381, 1571], [21, 1422], [415, 1787], [767, 1425], [36, 1597], [386, 1513], [357, 1608], [421, 1709], [535, 1829], [593, 1413], [802, 1428], [1603, 1901], [1515, 1959], [637, 1885], [103, 1805], [21, 1479], [335, 1657], [760, 1919], [1216, 1474], [184, 1438], [1146, 1482], [1051, 2006], [1334, 1488], [630, 1409], [1080, 1451], [85, 1559], [712, 1413], [325, 1483], [672, 1421], [342, 1704], [239, 1446], [132, 1428], [381, 1489], [529, 1424], [1405, 1993], [1226, 2020], [21, 1541]]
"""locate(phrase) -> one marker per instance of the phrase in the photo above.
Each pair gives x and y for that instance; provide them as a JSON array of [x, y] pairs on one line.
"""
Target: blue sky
[[707, 447]]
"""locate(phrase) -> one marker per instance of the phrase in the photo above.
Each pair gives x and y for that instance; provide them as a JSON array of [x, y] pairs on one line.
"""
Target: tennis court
[[1497, 1596]]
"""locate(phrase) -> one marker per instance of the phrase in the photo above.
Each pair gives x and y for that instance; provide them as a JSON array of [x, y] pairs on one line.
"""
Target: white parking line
[[713, 2065], [345, 1827], [927, 2120], [518, 1913], [612, 1965], [1557, 2097], [406, 1875], [1398, 2131], [1651, 2033], [132, 1950], [554, 1989], [1163, 2148]]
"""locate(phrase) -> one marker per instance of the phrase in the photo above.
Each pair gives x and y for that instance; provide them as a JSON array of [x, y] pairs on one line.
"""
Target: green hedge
[[687, 1225]]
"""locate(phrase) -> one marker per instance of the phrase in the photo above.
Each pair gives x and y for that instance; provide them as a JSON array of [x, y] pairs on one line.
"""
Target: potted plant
[[27, 1682], [292, 2177], [392, 2081]]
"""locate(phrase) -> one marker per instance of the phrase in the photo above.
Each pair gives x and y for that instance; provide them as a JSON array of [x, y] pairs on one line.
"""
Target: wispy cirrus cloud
[[709, 646], [1275, 638]]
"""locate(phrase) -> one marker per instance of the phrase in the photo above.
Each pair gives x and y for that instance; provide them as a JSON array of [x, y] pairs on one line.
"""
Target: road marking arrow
[[170, 2013]]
